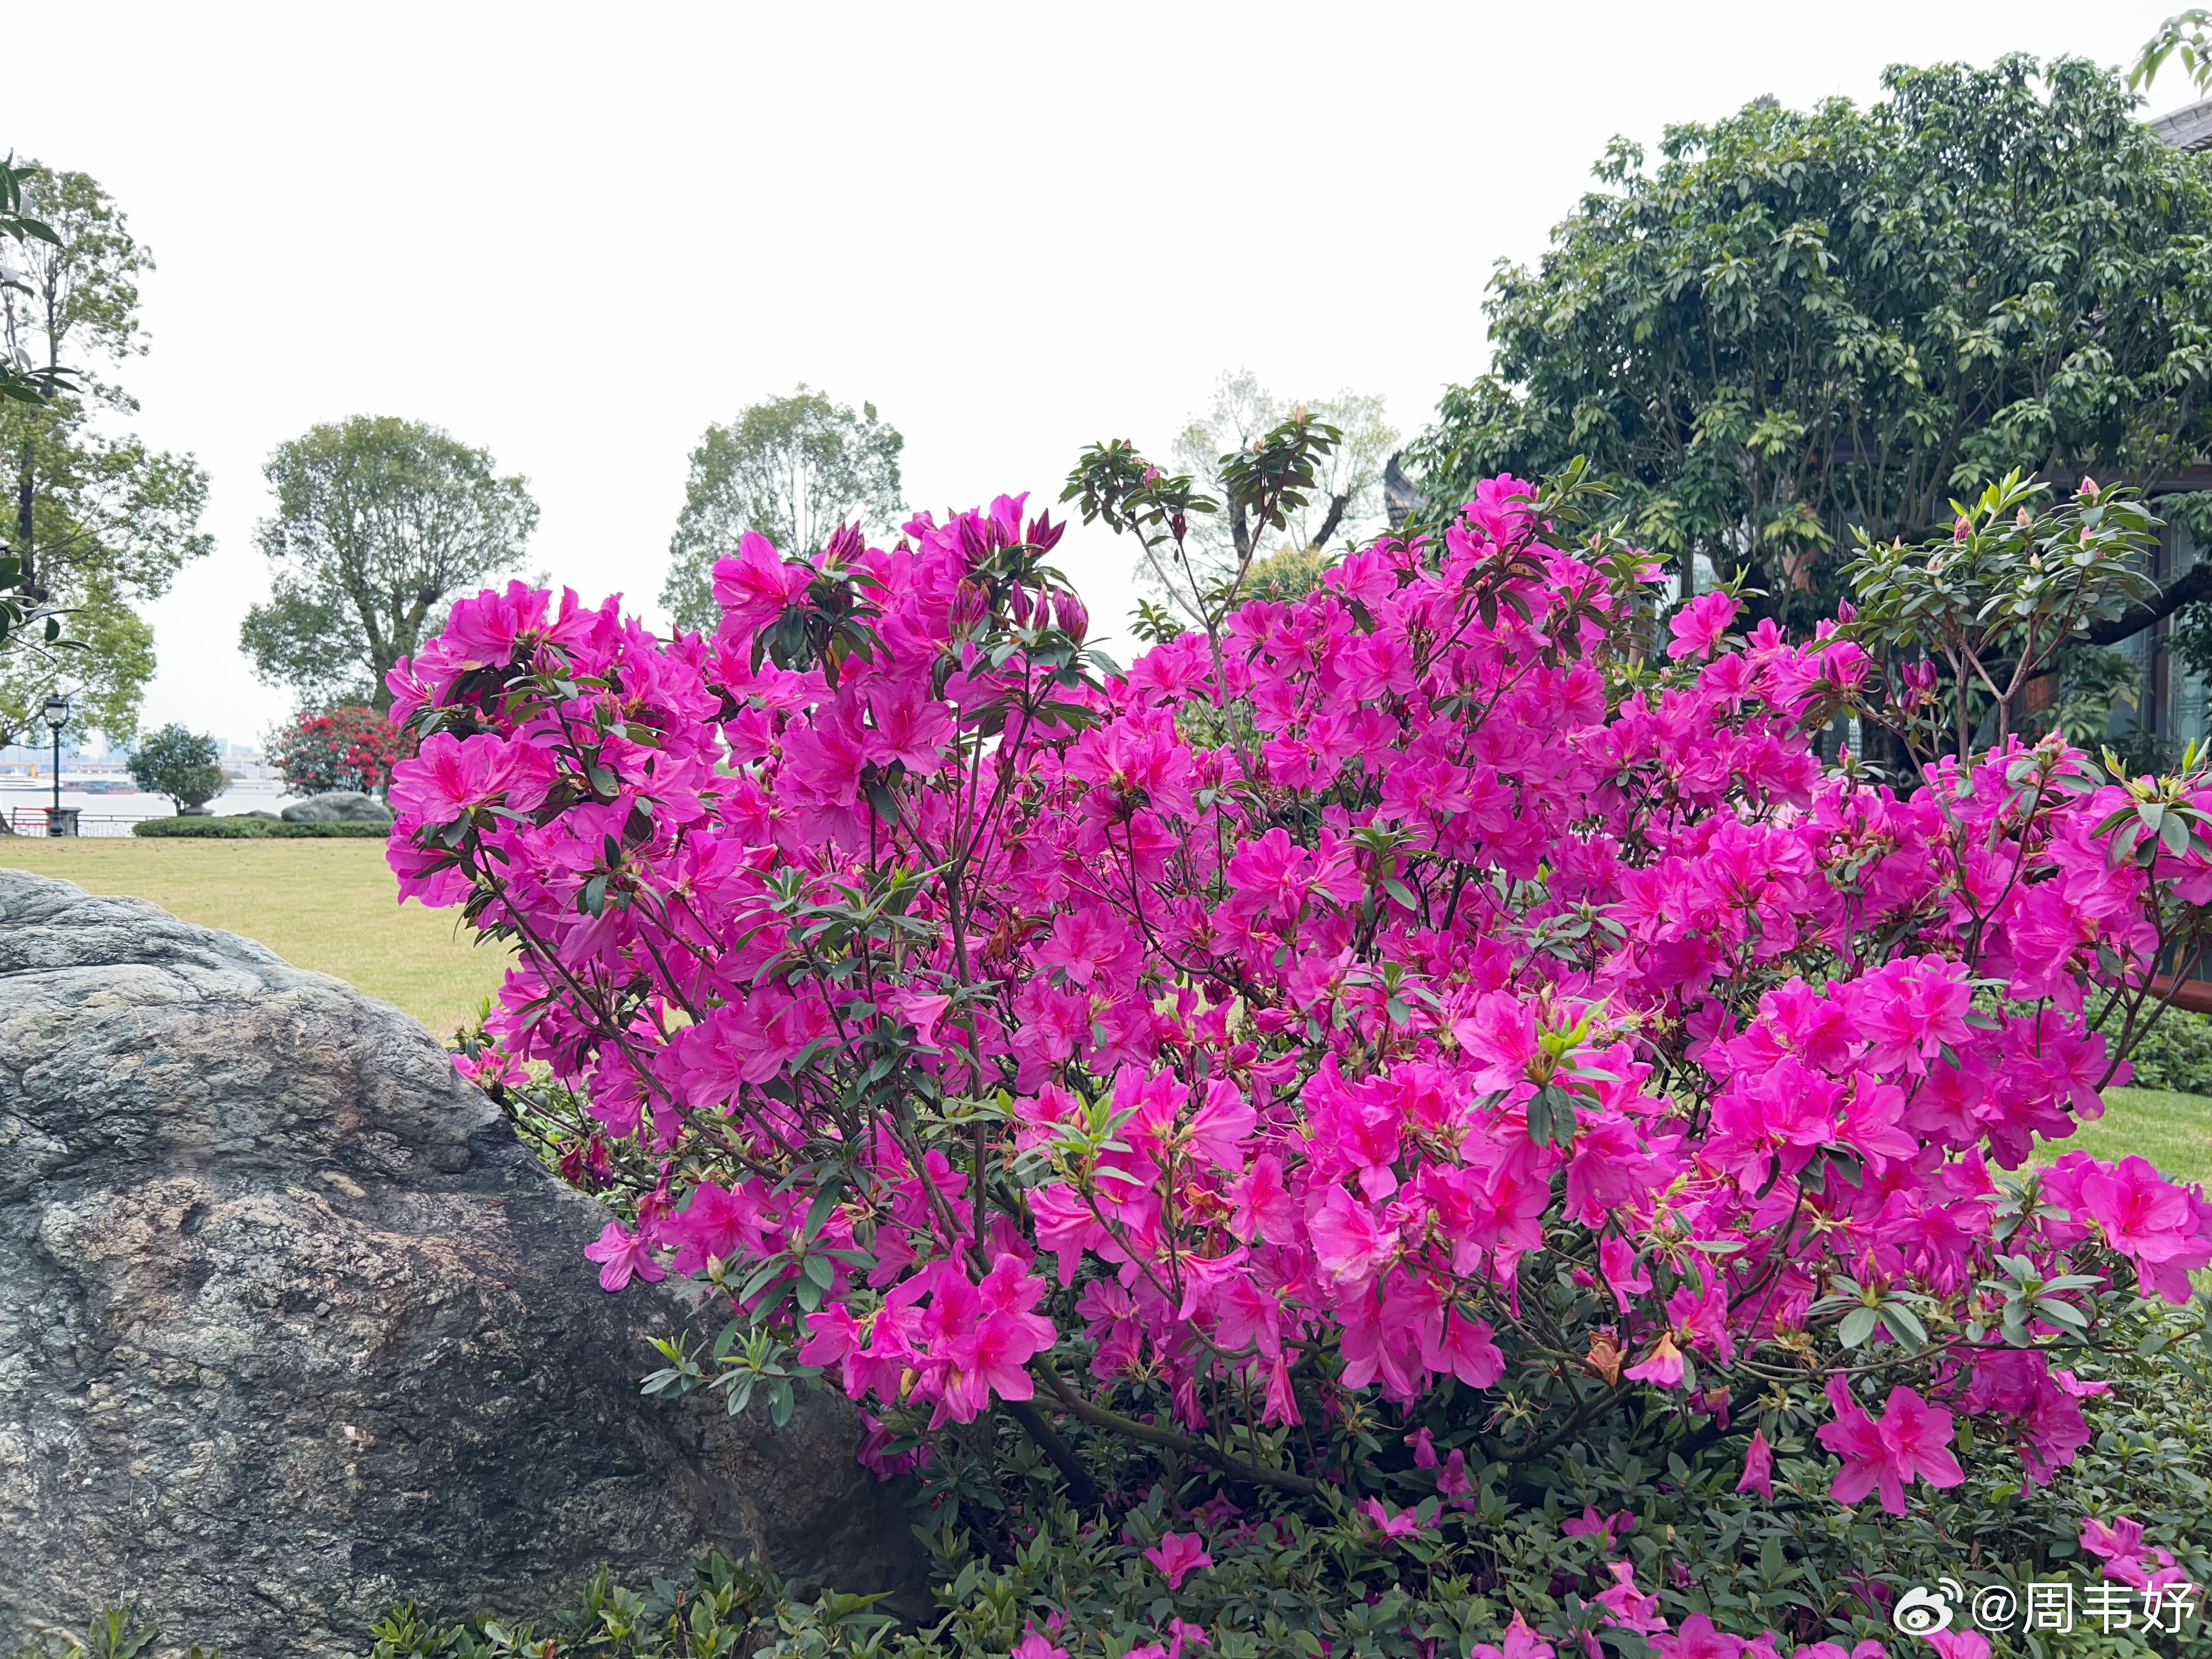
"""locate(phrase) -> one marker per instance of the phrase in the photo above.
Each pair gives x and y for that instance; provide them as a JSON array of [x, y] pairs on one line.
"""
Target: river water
[[22, 801]]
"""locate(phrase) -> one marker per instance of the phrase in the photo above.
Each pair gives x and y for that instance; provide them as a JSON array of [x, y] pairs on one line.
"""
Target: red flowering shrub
[[1453, 1008], [349, 747]]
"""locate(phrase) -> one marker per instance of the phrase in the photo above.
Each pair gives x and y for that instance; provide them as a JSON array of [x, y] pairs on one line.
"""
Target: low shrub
[[2175, 1053], [251, 829], [116, 1633], [1600, 1544], [347, 747]]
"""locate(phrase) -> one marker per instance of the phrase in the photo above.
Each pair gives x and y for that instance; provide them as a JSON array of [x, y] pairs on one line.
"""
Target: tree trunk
[[1336, 505], [26, 493], [2195, 583]]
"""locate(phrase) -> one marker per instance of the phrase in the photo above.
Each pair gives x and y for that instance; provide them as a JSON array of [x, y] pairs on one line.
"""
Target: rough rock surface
[[338, 806], [291, 1326]]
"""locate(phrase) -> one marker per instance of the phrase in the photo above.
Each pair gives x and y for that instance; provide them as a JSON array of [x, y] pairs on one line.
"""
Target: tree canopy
[[1799, 323], [179, 763], [791, 468], [378, 521], [100, 522], [21, 379]]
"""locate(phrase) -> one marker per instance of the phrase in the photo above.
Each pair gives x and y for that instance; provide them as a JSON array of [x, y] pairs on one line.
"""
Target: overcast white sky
[[576, 236]]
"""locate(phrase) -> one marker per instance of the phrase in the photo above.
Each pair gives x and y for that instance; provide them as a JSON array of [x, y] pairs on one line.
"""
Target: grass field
[[2173, 1130], [329, 905]]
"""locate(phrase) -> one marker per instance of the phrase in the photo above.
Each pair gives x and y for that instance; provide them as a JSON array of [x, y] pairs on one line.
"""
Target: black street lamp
[[58, 713]]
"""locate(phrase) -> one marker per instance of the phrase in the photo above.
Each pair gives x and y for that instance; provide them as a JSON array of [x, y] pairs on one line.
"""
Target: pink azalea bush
[[1459, 994]]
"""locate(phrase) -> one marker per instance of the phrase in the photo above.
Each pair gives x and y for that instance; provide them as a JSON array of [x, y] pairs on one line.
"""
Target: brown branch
[[1099, 1418], [1082, 1490], [1498, 1452], [2195, 583]]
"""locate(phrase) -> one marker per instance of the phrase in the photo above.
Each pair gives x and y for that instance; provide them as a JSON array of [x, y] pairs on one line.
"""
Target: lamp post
[[57, 714]]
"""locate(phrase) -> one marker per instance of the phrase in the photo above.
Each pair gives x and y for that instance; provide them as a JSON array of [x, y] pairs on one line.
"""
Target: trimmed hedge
[[2175, 1053], [251, 829]]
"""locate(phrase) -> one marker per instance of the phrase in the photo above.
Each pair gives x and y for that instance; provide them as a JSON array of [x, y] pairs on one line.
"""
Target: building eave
[[2186, 128]]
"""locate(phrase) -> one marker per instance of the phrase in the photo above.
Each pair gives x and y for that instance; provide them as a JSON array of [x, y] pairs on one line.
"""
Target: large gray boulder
[[291, 1326], [338, 806]]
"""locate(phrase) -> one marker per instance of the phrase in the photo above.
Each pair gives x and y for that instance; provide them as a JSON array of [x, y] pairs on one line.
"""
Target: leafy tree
[[1290, 573], [1345, 499], [100, 521], [791, 468], [1799, 323], [178, 764], [379, 520]]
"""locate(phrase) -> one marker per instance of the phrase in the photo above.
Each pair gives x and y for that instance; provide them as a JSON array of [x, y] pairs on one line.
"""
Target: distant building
[[2175, 696]]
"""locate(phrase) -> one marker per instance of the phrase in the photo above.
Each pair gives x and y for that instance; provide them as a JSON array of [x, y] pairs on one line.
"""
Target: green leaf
[[1540, 1117], [2054, 1312], [825, 1200], [1904, 1324]]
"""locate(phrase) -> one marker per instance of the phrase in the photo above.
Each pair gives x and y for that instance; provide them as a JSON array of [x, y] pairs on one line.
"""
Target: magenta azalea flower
[[625, 1255], [1177, 1555]]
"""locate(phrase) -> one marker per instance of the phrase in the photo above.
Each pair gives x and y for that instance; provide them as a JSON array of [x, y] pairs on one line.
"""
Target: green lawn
[[2173, 1130], [329, 905]]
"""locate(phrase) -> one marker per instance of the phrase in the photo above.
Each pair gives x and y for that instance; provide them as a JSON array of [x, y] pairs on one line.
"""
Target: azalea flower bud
[[970, 606], [1044, 534], [845, 545], [1074, 620], [1017, 600]]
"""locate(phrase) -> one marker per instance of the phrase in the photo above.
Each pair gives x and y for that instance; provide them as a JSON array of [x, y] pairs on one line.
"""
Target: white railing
[[32, 821]]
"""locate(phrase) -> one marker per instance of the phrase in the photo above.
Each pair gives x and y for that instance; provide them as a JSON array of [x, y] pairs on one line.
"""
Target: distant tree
[[1799, 323], [351, 747], [378, 522], [1290, 573], [1344, 503], [791, 468], [178, 764], [100, 522]]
